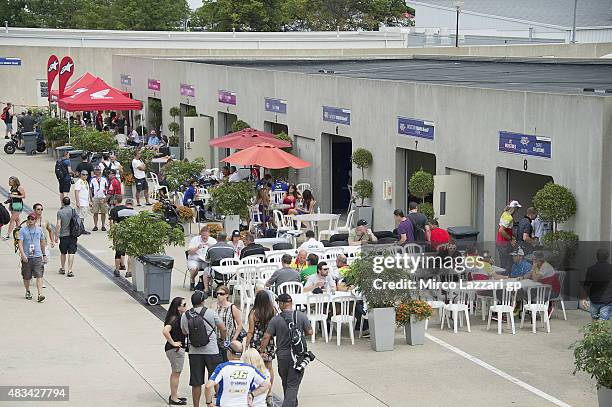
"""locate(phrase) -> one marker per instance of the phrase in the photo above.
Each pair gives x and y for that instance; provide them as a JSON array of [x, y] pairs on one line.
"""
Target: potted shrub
[[239, 125], [232, 199], [55, 132], [412, 315], [93, 141], [380, 303], [363, 188], [421, 185], [142, 234], [593, 355], [174, 128], [186, 216], [180, 172]]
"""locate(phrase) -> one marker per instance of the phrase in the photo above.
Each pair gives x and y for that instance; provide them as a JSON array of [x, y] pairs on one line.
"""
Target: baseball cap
[[129, 201], [362, 222], [32, 216], [84, 172], [235, 233], [284, 298], [518, 252], [514, 204]]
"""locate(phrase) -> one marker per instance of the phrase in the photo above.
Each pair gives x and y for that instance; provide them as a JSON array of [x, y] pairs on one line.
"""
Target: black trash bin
[[59, 151], [75, 158], [30, 138], [157, 278], [463, 235]]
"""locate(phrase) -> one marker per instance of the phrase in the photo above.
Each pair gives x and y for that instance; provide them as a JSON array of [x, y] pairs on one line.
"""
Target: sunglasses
[[184, 304], [221, 293], [39, 209]]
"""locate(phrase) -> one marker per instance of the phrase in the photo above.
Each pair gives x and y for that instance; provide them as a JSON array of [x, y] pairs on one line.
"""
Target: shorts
[[34, 267], [141, 185], [177, 359], [99, 206], [16, 207], [82, 211], [197, 366], [119, 254], [9, 126], [64, 186], [196, 264], [68, 244]]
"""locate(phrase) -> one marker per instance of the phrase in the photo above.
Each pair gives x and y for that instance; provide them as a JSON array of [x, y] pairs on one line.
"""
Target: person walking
[[67, 242], [259, 318], [16, 196], [140, 177], [279, 328], [419, 221], [199, 324], [99, 186], [238, 383], [63, 173], [230, 315], [33, 256], [45, 225], [82, 197], [114, 189], [175, 347], [118, 214], [7, 118], [253, 358]]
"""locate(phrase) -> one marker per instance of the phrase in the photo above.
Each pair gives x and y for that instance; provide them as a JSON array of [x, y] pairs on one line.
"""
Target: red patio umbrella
[[267, 156], [99, 96], [246, 138]]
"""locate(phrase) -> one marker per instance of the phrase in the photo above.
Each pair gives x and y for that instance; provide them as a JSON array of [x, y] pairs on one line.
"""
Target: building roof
[[589, 13], [535, 75]]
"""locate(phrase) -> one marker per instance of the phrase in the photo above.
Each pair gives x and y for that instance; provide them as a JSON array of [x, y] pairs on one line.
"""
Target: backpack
[[5, 216], [76, 225], [296, 337], [61, 172], [417, 230], [196, 324], [3, 117], [106, 170]]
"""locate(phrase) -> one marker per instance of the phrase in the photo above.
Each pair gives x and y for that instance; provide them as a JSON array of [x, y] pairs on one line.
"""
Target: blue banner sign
[[276, 105], [10, 61], [126, 80], [337, 115], [525, 144], [415, 127]]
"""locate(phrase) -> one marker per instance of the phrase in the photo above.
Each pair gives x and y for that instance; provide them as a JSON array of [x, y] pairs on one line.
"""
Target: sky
[[194, 4]]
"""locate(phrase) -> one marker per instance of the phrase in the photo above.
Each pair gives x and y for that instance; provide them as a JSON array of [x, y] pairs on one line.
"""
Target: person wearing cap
[[504, 234], [238, 382], [237, 242], [82, 196], [520, 266], [361, 234], [85, 165], [32, 250], [279, 329]]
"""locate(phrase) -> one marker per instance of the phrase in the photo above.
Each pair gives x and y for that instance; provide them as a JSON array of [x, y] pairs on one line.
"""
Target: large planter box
[[415, 332], [382, 328], [231, 223], [604, 395], [363, 212]]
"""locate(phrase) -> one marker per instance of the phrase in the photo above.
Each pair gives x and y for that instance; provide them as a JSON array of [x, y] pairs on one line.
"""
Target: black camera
[[303, 360]]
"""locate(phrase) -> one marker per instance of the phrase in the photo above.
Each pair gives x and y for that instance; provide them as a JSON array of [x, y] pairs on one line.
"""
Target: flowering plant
[[418, 308], [128, 180], [185, 214], [157, 207], [214, 229]]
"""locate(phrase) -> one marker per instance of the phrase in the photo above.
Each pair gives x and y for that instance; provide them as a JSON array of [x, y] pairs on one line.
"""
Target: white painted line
[[498, 372]]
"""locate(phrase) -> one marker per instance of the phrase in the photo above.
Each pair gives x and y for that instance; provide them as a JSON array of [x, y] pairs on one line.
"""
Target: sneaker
[[365, 334], [62, 271], [41, 298], [128, 275], [176, 403], [122, 267], [116, 273], [85, 232], [28, 295], [103, 229], [95, 229], [70, 274]]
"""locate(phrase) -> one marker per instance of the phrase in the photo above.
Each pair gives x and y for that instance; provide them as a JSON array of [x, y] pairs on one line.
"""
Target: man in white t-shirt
[[311, 243], [133, 137], [234, 176], [140, 178], [198, 246], [99, 185], [322, 279], [82, 197]]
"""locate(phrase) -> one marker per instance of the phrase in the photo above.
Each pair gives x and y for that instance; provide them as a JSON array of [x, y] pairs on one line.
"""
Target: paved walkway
[[93, 336]]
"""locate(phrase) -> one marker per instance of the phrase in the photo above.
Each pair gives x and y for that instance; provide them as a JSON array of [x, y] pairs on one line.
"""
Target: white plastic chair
[[291, 287], [457, 307], [279, 220], [243, 274], [317, 307], [347, 225], [332, 228], [179, 198], [254, 259], [559, 297], [413, 248], [276, 197], [346, 315], [231, 282], [433, 299], [302, 187], [274, 258], [505, 306], [247, 297], [537, 303]]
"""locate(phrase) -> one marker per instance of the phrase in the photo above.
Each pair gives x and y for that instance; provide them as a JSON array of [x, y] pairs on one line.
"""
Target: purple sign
[[227, 97], [415, 127], [154, 84], [187, 90], [525, 144], [276, 105], [337, 115]]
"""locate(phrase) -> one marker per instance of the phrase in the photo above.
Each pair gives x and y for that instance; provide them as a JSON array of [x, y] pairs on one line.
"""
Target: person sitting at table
[[214, 254], [237, 242], [543, 272], [309, 204], [361, 234], [265, 182], [262, 200], [438, 236], [306, 272], [234, 175], [321, 280], [283, 275], [251, 247], [520, 267], [449, 250], [153, 141], [311, 243], [291, 197], [196, 251], [163, 141], [300, 262], [280, 185], [597, 287], [190, 193], [485, 272]]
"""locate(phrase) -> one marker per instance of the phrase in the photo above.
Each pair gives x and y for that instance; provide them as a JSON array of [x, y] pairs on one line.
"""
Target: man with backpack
[[7, 118], [290, 328], [63, 173], [419, 223], [199, 325], [68, 229]]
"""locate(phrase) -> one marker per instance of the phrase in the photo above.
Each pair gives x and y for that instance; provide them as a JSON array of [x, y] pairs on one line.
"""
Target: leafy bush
[[555, 203], [417, 308], [145, 233], [427, 209], [54, 130], [363, 189], [421, 184], [155, 108], [239, 125], [233, 198], [178, 172], [92, 140], [185, 214], [157, 207], [191, 112], [173, 140], [593, 353], [362, 159], [174, 112], [215, 228], [174, 127], [126, 155]]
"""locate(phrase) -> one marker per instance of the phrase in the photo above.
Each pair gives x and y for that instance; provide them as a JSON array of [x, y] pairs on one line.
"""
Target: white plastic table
[[301, 298], [314, 219]]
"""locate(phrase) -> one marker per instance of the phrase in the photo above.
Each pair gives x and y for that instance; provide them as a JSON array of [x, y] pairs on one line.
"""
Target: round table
[[315, 218]]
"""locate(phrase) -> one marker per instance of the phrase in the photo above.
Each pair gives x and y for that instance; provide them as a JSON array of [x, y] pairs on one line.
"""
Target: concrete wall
[[467, 124]]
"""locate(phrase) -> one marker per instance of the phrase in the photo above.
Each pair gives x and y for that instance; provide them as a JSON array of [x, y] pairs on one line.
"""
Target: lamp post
[[458, 5], [574, 23]]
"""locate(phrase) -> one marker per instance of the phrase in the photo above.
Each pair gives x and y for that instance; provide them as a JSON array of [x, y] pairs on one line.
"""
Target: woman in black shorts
[[175, 347], [16, 196]]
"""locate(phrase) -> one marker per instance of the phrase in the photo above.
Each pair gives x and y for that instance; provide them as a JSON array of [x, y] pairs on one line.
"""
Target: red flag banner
[[52, 71], [65, 72]]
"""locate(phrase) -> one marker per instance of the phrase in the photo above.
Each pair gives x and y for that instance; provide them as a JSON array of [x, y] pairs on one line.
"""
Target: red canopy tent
[[246, 138], [78, 86], [99, 96], [267, 156]]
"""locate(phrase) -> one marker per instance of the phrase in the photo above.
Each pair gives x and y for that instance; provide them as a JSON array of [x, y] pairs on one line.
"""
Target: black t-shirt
[[599, 280], [420, 220], [252, 249], [114, 213], [176, 333], [85, 165], [524, 226]]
